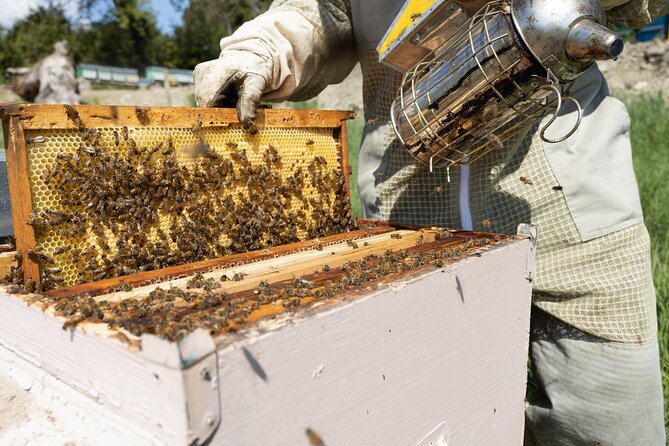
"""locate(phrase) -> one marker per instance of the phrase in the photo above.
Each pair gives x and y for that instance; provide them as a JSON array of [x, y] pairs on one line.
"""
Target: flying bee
[[526, 180], [485, 223], [116, 138]]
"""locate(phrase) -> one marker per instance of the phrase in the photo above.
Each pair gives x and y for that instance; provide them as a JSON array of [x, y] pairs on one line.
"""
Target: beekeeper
[[52, 80], [594, 348]]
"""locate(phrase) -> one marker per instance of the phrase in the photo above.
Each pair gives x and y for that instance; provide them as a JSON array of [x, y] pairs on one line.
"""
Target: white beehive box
[[436, 357]]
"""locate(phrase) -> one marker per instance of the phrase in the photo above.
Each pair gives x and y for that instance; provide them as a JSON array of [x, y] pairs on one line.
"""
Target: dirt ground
[[643, 68]]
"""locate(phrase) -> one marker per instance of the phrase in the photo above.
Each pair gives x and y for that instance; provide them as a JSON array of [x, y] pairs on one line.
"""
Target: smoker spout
[[588, 40]]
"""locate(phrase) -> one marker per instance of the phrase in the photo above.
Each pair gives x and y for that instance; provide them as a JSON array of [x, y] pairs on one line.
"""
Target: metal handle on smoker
[[558, 108]]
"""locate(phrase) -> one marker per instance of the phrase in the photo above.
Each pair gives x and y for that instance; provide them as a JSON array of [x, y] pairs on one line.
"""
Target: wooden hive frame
[[20, 118]]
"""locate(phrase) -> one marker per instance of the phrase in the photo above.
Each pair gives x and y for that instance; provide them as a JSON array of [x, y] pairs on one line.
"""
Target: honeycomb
[[113, 201]]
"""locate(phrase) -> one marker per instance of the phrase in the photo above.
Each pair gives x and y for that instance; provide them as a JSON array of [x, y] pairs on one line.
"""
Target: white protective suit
[[52, 80], [593, 267]]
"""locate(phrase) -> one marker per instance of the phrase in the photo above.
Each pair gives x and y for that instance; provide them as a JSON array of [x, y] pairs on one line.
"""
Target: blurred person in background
[[50, 81]]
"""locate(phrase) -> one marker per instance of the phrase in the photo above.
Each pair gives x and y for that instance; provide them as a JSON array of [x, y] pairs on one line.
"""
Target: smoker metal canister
[[497, 76]]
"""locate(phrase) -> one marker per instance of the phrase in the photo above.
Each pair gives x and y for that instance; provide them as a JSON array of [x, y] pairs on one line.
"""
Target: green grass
[[650, 145]]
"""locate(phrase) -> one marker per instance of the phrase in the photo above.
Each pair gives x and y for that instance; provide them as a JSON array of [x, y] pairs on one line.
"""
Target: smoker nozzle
[[588, 40]]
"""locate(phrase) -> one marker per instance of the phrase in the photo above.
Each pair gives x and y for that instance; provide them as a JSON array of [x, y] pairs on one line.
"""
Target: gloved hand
[[238, 78]]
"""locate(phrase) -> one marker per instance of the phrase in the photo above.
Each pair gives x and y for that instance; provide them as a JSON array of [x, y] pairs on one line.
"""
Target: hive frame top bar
[[51, 116]]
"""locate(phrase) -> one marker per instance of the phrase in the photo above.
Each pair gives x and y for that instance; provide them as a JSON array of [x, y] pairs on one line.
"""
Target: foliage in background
[[127, 35], [124, 33], [205, 22], [650, 146], [32, 37]]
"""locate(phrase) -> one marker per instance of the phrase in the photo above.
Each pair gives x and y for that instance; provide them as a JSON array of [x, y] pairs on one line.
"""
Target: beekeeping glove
[[238, 78], [280, 55]]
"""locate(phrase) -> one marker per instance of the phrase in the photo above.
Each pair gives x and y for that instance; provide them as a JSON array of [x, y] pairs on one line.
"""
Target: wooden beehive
[[378, 334], [99, 191], [385, 335]]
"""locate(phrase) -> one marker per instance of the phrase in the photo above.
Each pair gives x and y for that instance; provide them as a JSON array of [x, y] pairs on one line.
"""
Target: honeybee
[[73, 115], [35, 140], [89, 149], [486, 224], [124, 132], [396, 236], [239, 276], [116, 138], [309, 142], [142, 114], [526, 180]]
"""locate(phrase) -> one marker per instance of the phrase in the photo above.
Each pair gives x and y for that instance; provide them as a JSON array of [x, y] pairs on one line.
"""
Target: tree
[[126, 36], [32, 38], [205, 22]]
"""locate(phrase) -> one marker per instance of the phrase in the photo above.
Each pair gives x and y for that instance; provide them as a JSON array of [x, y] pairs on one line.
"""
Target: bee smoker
[[466, 93]]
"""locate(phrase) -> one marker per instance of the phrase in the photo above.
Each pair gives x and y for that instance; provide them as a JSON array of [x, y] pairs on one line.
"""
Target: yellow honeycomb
[[296, 147]]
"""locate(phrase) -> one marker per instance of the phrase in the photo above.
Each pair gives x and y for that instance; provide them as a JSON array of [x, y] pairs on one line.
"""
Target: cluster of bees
[[175, 312], [128, 208]]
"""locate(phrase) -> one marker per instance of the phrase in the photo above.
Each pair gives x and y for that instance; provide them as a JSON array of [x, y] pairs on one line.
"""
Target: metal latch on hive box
[[185, 398]]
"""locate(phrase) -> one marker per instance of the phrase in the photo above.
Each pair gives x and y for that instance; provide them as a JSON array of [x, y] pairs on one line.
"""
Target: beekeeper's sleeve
[[309, 42], [634, 13]]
